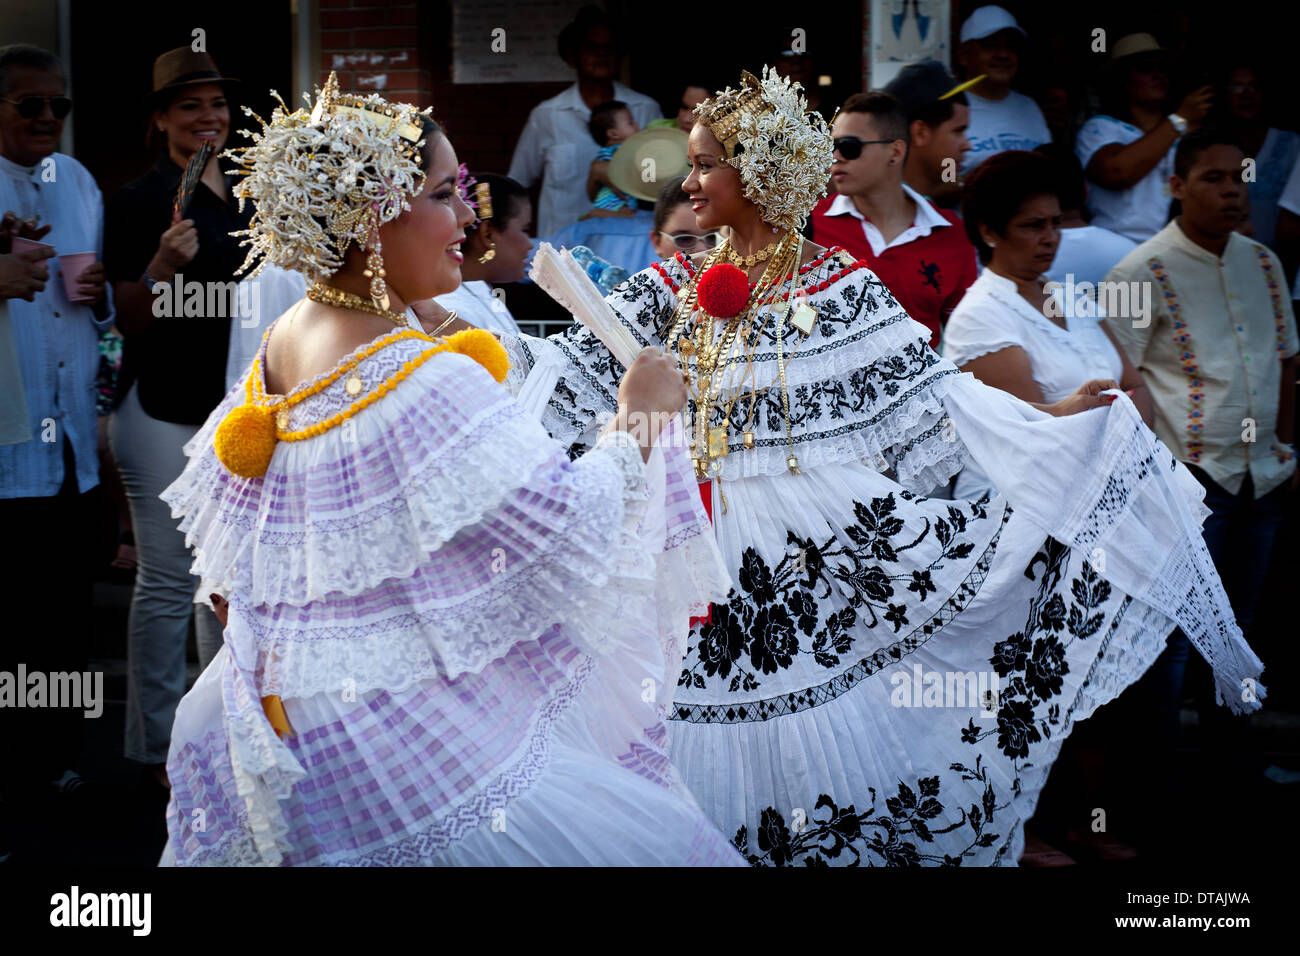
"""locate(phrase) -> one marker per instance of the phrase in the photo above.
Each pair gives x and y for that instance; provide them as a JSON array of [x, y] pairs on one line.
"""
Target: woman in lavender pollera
[[446, 642]]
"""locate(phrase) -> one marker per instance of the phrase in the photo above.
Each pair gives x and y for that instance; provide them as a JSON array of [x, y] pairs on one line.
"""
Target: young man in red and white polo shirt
[[920, 252]]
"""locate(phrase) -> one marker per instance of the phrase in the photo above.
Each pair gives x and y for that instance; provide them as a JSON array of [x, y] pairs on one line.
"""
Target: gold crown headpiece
[[731, 109], [782, 151], [322, 180], [334, 103]]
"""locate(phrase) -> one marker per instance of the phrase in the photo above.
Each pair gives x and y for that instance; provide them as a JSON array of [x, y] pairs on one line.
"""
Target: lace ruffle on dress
[[892, 675], [464, 629]]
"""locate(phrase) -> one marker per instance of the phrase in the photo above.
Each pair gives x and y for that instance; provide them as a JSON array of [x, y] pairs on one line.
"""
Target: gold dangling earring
[[374, 271], [487, 256]]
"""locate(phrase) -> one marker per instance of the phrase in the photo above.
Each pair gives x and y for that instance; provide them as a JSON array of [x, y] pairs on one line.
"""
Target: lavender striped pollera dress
[[475, 640]]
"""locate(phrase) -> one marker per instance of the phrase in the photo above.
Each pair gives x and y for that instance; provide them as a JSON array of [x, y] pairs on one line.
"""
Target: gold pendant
[[353, 385], [701, 469], [749, 439], [804, 318], [718, 441], [793, 462], [282, 419]]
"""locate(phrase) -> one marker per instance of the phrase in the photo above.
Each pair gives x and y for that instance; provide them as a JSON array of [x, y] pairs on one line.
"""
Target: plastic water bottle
[[606, 275]]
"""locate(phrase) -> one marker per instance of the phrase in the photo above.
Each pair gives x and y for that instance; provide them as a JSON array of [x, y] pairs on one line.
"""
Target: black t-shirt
[[178, 363]]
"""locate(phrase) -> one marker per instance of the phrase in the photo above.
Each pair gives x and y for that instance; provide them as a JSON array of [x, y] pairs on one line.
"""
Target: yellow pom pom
[[483, 347], [245, 440]]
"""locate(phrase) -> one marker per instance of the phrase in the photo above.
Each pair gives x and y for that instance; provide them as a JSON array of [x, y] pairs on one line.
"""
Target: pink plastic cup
[[26, 245], [72, 265]]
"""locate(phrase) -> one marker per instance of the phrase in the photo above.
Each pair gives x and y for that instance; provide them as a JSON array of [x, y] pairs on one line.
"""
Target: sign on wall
[[904, 31], [509, 41]]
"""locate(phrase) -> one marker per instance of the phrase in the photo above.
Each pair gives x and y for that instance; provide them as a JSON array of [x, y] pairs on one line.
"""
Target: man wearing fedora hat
[[555, 145], [1128, 155]]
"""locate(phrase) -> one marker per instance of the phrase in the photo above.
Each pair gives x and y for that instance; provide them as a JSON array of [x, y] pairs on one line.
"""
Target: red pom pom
[[723, 290]]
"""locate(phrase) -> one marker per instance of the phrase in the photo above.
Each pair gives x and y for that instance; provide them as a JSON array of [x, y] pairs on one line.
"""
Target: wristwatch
[[1178, 123]]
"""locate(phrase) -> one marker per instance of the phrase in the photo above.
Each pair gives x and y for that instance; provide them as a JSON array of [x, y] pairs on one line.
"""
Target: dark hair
[[429, 128], [507, 197], [997, 189], [939, 112], [670, 197], [572, 36], [602, 119], [921, 88], [1196, 142], [1072, 189], [32, 57], [888, 113]]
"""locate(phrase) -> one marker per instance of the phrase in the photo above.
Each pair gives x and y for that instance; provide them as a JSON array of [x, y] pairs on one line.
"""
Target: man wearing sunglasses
[[49, 470], [900, 234]]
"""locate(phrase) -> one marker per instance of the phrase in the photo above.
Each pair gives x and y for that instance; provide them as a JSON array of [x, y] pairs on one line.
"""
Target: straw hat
[[647, 160]]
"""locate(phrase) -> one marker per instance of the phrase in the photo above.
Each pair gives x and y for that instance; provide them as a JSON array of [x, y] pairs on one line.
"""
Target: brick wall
[[403, 51], [375, 45]]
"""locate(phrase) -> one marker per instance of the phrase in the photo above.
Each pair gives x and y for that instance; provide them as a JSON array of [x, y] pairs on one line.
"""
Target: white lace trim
[[446, 479], [901, 430], [1140, 514]]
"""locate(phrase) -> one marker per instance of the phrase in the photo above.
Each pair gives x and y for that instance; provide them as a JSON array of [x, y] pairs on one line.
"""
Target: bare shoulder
[[307, 343]]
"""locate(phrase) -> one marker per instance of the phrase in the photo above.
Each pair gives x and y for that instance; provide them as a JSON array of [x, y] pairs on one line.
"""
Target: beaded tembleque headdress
[[322, 180], [782, 151]]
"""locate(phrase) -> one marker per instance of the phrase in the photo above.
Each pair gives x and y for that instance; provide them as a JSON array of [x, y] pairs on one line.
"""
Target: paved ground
[[121, 819]]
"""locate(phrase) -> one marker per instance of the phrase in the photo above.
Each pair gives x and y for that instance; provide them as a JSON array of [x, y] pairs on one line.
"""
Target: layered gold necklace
[[712, 350]]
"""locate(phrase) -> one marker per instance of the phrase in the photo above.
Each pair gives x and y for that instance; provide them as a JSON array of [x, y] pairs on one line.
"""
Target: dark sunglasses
[[687, 240], [30, 107], [850, 147]]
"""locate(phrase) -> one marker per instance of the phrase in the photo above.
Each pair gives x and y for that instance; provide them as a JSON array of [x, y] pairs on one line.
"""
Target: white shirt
[[1140, 211], [475, 303], [993, 316], [557, 148], [1088, 253], [1014, 122], [927, 219], [1210, 354], [1275, 178], [51, 341]]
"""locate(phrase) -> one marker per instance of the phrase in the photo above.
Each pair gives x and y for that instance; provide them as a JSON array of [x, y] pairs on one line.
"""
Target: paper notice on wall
[[905, 31], [510, 41]]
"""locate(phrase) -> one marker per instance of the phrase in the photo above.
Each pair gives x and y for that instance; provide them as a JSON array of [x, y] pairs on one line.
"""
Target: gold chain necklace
[[330, 295], [749, 261], [711, 442]]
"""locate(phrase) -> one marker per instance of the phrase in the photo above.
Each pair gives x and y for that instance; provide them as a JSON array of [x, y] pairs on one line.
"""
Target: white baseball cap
[[987, 21]]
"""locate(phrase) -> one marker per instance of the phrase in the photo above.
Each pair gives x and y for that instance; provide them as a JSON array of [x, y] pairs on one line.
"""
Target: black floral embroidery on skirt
[[898, 835], [776, 613]]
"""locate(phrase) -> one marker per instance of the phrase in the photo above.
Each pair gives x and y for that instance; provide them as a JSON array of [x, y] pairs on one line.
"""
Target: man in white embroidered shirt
[[556, 145], [49, 467], [1218, 352]]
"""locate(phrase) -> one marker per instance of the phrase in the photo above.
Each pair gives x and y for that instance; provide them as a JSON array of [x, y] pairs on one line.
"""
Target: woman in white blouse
[[1016, 330], [496, 248]]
